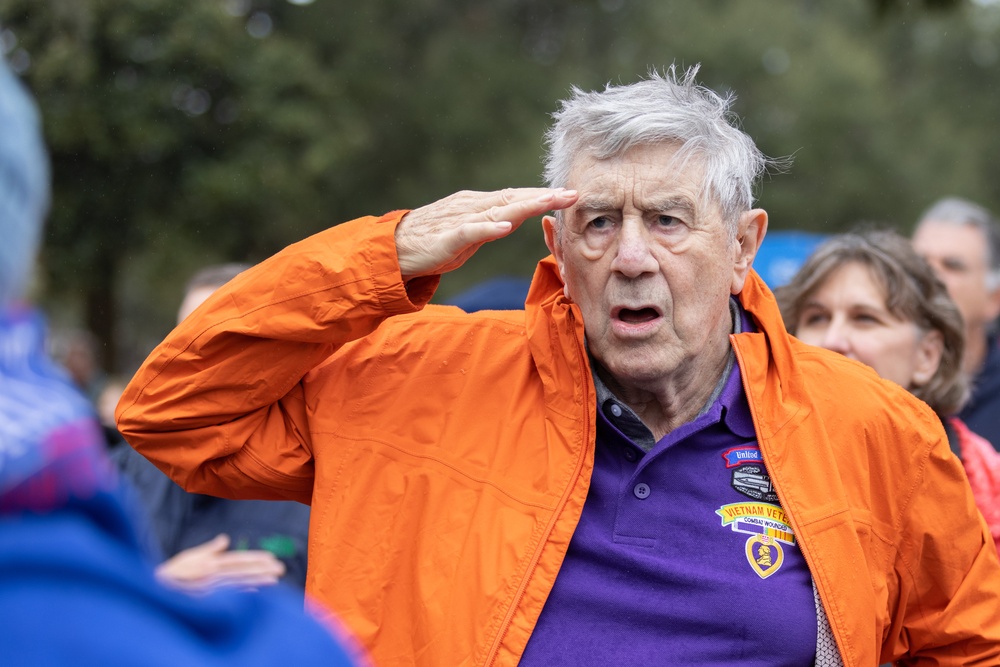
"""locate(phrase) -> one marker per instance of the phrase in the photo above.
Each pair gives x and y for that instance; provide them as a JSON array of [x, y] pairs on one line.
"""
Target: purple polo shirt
[[683, 554]]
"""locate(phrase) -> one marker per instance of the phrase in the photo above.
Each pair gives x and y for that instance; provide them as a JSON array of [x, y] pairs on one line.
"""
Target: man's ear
[[550, 227], [750, 231]]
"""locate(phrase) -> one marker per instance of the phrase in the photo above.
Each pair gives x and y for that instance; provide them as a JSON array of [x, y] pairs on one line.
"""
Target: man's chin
[[631, 369]]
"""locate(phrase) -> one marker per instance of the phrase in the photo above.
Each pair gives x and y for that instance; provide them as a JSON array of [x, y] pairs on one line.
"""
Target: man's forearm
[[218, 405]]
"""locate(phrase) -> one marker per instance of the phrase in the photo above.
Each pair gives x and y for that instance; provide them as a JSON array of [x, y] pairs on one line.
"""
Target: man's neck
[[675, 401]]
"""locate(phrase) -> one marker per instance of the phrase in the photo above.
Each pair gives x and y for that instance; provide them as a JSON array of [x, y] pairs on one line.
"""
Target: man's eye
[[667, 220], [600, 222]]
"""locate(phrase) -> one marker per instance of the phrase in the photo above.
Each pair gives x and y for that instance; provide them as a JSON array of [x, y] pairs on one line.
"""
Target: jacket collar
[[767, 363], [556, 340], [771, 376]]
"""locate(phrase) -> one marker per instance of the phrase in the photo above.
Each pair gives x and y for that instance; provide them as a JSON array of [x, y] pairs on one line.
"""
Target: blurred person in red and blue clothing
[[870, 297], [76, 580]]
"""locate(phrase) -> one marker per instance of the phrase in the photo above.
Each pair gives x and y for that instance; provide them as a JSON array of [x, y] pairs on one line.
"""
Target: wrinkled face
[[649, 266], [847, 314], [959, 257]]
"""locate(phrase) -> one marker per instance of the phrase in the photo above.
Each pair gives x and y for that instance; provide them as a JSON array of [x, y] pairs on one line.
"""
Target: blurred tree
[[884, 7], [191, 131], [175, 124]]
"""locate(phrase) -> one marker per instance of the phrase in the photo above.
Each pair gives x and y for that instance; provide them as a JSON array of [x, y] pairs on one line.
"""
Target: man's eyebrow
[[590, 204], [671, 204]]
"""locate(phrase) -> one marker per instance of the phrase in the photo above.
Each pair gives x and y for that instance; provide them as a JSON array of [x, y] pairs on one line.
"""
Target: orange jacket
[[447, 457]]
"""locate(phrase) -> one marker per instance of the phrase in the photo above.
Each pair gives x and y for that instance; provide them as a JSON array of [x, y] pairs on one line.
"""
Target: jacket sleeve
[[220, 405], [948, 572]]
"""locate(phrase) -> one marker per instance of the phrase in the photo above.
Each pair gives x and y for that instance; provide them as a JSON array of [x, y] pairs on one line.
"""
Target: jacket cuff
[[394, 295]]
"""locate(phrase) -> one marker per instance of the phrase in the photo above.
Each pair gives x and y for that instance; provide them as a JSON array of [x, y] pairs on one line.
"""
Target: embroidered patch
[[737, 456], [757, 519], [754, 482], [764, 554]]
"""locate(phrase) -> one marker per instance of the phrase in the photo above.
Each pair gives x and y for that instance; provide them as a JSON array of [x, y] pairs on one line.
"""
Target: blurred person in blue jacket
[[76, 585]]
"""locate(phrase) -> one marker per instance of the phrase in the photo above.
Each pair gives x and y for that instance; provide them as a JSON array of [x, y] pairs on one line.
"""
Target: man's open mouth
[[637, 316]]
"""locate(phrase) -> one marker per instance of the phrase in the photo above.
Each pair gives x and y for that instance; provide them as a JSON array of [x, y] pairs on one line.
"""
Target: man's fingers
[[519, 210], [439, 237], [534, 199], [245, 582], [246, 568], [217, 544], [200, 569], [495, 214], [474, 200], [475, 233], [250, 561]]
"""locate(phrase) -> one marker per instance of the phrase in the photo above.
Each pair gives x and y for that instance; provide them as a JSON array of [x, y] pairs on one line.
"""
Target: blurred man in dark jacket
[[961, 240]]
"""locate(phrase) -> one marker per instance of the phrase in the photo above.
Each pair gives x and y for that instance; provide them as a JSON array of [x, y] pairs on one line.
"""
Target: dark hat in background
[[500, 293]]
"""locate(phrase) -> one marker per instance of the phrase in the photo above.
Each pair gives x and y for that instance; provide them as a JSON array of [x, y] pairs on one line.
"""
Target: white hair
[[663, 108]]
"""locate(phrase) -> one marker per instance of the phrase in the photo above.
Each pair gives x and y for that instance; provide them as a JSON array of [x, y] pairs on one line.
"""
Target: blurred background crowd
[[189, 139]]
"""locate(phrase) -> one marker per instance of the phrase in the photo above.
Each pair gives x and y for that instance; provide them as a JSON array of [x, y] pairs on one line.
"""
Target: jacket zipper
[[509, 617]]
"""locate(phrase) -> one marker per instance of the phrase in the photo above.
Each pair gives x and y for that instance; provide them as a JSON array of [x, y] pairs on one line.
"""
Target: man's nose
[[634, 255]]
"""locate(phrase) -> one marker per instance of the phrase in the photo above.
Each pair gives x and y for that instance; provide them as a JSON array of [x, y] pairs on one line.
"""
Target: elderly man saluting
[[640, 466]]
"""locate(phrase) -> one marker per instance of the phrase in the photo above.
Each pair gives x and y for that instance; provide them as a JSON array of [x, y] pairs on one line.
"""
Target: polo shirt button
[[641, 491], [629, 453], [616, 410]]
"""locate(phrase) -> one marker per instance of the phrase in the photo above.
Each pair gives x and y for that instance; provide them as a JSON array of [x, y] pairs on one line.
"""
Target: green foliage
[[185, 132], [171, 128]]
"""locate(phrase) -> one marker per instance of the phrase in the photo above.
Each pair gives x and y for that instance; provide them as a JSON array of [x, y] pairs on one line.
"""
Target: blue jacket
[[76, 585]]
